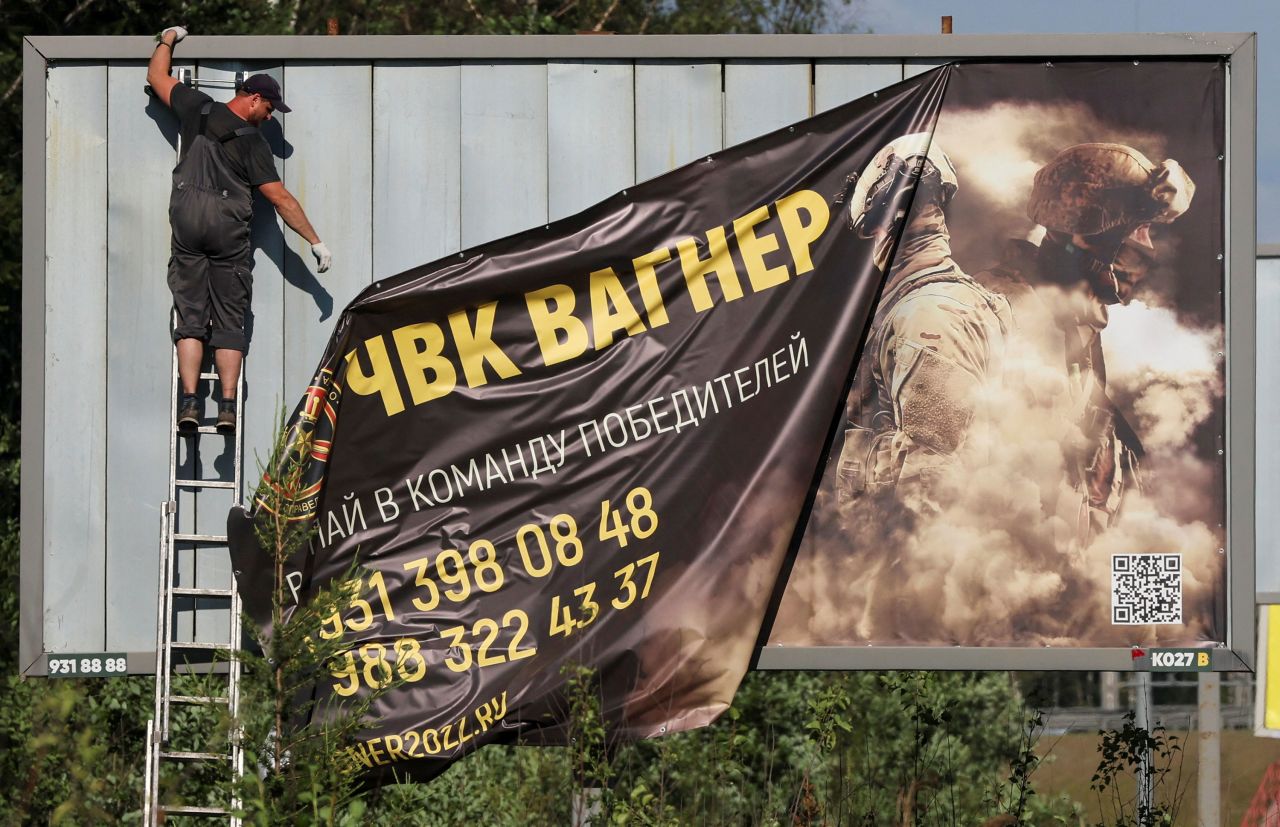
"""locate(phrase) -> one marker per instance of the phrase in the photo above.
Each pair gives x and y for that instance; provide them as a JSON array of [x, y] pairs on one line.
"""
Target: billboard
[[615, 440], [451, 145]]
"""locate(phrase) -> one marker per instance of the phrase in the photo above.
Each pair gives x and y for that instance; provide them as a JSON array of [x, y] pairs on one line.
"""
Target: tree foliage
[[892, 749], [558, 17], [297, 739], [1155, 757]]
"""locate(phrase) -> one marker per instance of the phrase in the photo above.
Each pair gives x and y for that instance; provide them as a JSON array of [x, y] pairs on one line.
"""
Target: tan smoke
[[989, 553], [1171, 373], [1013, 140], [997, 150]]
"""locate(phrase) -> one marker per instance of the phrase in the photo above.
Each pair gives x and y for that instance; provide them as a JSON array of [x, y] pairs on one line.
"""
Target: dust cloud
[[992, 551]]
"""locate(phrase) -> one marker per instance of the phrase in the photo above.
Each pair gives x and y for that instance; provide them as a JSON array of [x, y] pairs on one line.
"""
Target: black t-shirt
[[249, 156]]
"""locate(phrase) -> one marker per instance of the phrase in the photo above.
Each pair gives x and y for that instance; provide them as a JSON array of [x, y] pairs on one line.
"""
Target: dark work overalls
[[210, 266]]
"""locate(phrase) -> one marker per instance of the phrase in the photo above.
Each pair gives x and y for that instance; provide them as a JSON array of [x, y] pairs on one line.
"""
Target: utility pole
[[1109, 691], [1209, 778], [1144, 720]]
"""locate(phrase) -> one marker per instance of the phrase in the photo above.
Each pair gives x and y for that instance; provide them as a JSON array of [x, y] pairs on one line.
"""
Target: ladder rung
[[200, 538], [200, 644], [186, 591], [208, 376], [207, 700], [196, 756], [195, 810], [203, 429], [204, 484]]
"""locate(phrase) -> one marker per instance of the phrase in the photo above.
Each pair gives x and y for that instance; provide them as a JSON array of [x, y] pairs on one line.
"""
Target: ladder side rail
[[233, 704], [152, 773], [166, 686], [159, 727], [148, 785], [236, 631], [165, 653], [161, 625]]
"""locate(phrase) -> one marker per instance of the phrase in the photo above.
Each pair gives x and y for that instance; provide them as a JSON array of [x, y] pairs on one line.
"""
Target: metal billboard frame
[[1239, 49]]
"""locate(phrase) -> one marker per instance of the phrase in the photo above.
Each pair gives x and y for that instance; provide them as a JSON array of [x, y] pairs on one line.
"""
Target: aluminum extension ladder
[[193, 656], [174, 656]]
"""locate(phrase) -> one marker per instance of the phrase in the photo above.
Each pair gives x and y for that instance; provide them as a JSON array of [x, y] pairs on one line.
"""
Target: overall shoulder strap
[[204, 116], [238, 133]]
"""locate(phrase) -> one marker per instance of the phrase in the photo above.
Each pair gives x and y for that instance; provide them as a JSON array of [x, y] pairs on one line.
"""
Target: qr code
[[1146, 588]]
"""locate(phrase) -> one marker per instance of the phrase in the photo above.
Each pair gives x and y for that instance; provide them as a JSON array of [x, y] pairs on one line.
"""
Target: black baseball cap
[[266, 86]]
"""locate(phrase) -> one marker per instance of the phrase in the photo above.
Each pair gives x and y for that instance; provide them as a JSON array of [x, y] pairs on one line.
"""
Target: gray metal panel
[[1242, 242], [417, 190], [444, 47], [591, 147], [184, 554], [504, 149], [75, 358], [911, 68], [763, 95], [330, 171], [840, 81], [1266, 405], [32, 502], [679, 114], [142, 134], [203, 512]]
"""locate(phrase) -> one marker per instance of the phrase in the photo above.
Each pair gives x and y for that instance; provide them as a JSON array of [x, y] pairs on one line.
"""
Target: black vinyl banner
[[592, 443], [954, 373]]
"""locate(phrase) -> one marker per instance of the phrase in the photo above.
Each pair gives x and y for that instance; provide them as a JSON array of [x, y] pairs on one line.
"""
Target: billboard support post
[[1208, 777], [1109, 691], [1142, 709]]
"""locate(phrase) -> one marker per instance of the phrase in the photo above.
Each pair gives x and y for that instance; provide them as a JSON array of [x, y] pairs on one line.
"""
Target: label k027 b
[[1180, 660]]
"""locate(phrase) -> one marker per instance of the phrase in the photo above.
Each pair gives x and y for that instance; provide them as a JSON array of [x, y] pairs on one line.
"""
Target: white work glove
[[323, 257], [178, 33]]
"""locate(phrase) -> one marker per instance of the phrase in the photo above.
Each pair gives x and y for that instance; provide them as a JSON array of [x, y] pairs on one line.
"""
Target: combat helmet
[[1089, 189], [874, 202]]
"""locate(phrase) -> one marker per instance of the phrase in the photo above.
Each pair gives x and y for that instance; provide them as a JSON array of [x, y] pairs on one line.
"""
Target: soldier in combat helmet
[[937, 336], [1097, 203]]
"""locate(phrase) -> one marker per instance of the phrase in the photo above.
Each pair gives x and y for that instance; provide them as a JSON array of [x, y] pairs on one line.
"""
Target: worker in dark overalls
[[224, 156]]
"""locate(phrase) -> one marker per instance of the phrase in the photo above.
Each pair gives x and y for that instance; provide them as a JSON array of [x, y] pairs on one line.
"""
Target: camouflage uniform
[[937, 336], [1096, 202]]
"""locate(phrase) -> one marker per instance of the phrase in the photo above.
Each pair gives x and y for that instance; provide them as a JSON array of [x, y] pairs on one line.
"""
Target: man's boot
[[189, 413], [226, 416]]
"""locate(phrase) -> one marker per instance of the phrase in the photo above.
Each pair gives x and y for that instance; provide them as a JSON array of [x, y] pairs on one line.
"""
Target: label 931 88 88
[[95, 665]]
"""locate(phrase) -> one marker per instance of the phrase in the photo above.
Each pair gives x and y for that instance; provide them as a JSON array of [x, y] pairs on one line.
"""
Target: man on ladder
[[223, 156]]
